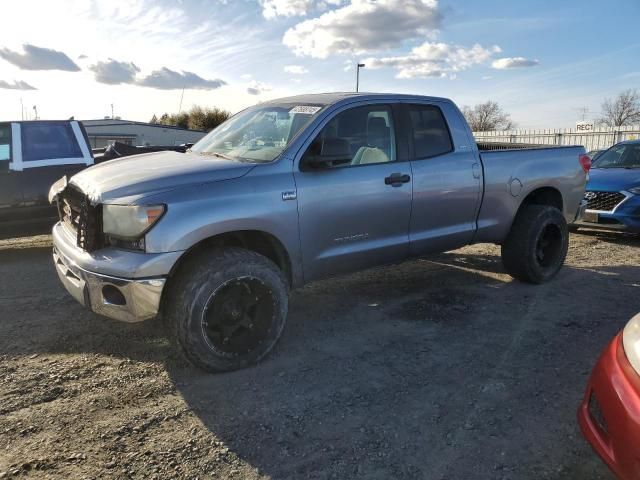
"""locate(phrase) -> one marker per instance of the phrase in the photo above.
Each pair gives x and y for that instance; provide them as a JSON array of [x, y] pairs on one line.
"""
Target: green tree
[[198, 118]]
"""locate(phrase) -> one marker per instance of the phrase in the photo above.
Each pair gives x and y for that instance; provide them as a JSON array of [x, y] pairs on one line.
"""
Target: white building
[[104, 132]]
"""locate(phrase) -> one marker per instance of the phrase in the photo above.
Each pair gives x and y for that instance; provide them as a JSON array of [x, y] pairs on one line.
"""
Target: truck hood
[[130, 179], [613, 179]]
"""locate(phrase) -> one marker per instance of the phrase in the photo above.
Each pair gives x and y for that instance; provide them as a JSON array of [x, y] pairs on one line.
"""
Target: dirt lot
[[440, 369]]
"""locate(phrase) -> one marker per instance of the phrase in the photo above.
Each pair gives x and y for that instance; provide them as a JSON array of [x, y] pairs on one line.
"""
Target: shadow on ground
[[438, 368], [613, 237]]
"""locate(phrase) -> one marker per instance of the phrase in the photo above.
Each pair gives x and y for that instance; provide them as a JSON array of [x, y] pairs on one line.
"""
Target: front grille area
[[82, 218], [604, 201], [69, 208]]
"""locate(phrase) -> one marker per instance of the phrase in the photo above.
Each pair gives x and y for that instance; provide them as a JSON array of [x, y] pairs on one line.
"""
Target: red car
[[609, 415]]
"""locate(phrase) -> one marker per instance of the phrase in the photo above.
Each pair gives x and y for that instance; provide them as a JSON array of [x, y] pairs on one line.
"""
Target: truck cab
[[34, 154]]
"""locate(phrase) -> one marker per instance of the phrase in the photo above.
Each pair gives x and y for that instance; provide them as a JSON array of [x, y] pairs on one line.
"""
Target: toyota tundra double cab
[[294, 190]]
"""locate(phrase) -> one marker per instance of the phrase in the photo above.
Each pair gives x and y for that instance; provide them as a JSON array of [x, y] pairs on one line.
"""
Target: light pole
[[360, 65]]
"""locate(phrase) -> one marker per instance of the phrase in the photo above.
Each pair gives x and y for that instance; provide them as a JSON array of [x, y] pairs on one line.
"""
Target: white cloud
[[38, 58], [258, 88], [295, 69], [514, 62], [364, 26], [16, 85], [293, 8], [113, 72], [437, 60], [284, 8], [166, 79]]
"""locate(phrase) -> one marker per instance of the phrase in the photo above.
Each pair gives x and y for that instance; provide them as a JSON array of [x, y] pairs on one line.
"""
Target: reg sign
[[585, 126]]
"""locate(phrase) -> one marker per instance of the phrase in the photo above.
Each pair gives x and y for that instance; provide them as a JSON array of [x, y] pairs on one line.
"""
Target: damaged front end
[[78, 215]]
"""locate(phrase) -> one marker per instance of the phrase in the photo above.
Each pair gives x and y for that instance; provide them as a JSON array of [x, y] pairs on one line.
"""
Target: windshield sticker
[[306, 109]]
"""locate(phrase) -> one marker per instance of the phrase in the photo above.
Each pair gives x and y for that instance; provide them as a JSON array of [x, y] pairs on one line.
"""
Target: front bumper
[[102, 289], [624, 217], [609, 415]]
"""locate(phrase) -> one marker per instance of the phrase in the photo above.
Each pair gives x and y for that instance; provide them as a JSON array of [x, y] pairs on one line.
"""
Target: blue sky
[[541, 60]]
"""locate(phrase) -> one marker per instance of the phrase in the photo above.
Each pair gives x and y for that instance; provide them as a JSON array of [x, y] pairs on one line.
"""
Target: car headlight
[[129, 222], [635, 190], [631, 342]]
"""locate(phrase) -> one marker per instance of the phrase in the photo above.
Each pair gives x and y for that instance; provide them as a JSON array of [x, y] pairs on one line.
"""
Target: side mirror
[[332, 150]]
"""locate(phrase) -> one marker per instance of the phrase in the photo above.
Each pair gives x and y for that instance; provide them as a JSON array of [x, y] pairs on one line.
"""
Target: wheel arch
[[258, 241], [550, 196]]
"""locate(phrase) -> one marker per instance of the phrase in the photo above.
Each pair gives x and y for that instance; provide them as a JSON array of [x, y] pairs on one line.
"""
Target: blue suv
[[613, 189]]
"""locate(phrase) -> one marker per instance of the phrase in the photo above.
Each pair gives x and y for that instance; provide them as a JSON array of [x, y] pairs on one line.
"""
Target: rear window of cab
[[48, 140]]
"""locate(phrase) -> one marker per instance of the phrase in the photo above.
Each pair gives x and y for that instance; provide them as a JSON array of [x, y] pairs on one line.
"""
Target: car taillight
[[585, 162]]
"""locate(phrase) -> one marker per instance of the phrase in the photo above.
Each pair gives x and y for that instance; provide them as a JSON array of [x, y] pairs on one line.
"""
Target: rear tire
[[537, 244], [227, 308]]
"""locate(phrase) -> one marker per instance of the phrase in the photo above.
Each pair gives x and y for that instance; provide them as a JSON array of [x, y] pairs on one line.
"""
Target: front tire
[[537, 244], [227, 308]]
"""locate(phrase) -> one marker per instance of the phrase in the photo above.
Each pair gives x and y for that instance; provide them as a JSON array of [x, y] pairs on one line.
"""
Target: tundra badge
[[289, 195]]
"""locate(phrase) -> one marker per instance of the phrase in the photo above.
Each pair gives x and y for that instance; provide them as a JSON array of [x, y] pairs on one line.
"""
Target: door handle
[[397, 179]]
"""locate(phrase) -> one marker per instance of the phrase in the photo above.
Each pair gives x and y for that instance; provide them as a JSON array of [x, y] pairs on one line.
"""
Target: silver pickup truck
[[294, 190]]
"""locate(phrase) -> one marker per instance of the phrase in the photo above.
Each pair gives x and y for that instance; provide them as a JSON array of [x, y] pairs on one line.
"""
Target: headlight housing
[[129, 222], [631, 342], [635, 190]]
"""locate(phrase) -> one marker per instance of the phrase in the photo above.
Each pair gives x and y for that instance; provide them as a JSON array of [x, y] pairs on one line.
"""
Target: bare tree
[[622, 110], [488, 116]]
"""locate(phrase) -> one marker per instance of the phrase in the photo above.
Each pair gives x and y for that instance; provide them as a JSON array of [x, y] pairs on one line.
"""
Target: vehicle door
[[50, 150], [353, 192], [10, 191], [447, 178]]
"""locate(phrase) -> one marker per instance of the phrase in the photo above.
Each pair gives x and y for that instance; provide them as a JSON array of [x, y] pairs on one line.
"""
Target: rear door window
[[48, 141], [429, 132]]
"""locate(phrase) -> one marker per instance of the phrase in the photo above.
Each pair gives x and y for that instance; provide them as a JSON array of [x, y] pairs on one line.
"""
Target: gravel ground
[[439, 369]]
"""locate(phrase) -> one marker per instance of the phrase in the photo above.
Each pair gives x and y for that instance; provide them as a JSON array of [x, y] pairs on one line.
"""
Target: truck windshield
[[620, 156], [258, 134]]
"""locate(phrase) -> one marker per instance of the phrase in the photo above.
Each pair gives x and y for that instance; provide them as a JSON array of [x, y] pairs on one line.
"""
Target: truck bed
[[510, 173]]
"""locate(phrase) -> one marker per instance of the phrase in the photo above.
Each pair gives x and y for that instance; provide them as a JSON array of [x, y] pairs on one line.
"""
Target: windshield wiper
[[217, 154]]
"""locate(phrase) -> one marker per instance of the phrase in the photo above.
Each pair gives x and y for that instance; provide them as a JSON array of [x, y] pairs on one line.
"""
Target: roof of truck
[[335, 97]]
